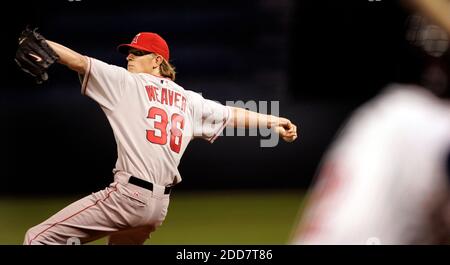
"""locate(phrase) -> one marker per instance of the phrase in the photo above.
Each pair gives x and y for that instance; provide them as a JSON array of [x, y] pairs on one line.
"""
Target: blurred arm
[[437, 11], [70, 58]]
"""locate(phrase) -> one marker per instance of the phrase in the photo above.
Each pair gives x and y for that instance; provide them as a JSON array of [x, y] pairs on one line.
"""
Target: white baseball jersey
[[153, 119], [384, 180]]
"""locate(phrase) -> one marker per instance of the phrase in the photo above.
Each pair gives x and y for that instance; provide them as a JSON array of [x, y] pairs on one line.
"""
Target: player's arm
[[242, 118], [70, 58]]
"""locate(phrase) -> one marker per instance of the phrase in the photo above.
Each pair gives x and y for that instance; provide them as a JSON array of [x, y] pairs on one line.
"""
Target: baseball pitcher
[[153, 120]]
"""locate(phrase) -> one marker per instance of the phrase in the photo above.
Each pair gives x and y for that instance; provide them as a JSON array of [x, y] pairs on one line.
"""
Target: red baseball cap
[[147, 41]]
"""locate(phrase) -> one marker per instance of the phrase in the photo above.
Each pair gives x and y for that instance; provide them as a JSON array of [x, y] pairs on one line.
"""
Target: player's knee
[[31, 237]]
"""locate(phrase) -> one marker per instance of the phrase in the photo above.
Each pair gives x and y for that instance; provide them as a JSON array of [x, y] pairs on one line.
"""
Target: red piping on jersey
[[86, 78], [157, 76], [214, 137], [329, 181], [95, 203]]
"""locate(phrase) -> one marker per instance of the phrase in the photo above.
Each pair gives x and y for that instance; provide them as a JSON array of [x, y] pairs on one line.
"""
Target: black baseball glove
[[34, 56]]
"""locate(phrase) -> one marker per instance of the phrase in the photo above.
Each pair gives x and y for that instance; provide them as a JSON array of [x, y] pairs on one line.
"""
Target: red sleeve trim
[[86, 77], [227, 120]]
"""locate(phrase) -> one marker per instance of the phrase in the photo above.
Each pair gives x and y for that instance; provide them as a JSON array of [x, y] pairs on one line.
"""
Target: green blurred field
[[226, 217]]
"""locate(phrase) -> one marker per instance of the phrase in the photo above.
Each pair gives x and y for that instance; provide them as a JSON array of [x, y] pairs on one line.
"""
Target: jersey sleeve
[[209, 117], [104, 83]]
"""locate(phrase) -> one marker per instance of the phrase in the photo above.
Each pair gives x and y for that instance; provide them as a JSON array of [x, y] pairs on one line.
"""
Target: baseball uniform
[[153, 120]]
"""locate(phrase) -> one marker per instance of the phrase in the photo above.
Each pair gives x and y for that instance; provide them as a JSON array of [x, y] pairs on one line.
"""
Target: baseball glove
[[34, 56]]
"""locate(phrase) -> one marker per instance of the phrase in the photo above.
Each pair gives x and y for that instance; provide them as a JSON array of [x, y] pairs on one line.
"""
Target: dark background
[[319, 59]]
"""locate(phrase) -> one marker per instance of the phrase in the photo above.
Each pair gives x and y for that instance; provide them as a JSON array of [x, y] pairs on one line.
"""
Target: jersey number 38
[[176, 127]]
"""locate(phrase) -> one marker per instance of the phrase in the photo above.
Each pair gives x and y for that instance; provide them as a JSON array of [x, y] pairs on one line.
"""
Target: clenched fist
[[286, 129]]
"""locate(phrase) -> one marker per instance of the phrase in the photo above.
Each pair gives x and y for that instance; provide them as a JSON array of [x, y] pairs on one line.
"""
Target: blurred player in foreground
[[385, 179]]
